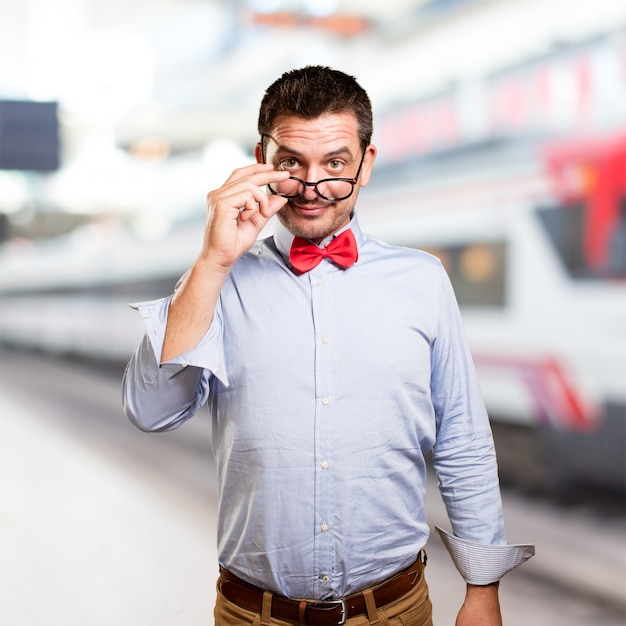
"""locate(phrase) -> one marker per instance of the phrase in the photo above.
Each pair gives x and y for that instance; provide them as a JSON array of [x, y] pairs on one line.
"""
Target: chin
[[314, 227], [305, 227]]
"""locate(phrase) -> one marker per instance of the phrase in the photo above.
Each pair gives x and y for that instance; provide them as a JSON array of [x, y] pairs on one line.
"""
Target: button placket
[[324, 491]]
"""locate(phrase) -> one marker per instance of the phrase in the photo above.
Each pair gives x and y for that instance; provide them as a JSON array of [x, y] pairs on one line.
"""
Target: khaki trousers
[[412, 609]]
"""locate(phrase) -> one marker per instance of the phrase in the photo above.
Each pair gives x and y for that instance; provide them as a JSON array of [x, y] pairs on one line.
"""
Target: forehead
[[327, 132]]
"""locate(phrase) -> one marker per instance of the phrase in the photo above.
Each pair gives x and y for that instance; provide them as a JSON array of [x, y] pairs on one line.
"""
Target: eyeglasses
[[331, 189]]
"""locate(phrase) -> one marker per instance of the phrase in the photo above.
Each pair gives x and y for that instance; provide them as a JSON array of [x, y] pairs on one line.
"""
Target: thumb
[[273, 205]]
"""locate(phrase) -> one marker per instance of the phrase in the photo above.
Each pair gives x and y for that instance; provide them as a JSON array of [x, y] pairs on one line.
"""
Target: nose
[[309, 188], [309, 192]]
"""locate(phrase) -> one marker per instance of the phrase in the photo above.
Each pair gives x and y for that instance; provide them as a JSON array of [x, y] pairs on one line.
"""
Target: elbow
[[159, 398], [149, 419], [136, 411], [139, 406], [142, 421], [151, 408]]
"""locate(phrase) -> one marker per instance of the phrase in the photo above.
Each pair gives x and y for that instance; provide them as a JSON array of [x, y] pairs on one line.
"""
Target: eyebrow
[[329, 155]]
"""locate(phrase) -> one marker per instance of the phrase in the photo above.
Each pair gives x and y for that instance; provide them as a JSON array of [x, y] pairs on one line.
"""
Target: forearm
[[192, 308]]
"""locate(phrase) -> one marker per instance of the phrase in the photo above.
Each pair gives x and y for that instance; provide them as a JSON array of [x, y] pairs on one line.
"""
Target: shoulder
[[374, 249], [263, 256]]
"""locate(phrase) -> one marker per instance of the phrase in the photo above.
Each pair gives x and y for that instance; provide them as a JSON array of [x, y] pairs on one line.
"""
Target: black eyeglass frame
[[352, 181]]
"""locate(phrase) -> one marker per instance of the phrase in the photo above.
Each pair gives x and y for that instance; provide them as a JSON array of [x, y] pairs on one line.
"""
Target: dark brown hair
[[313, 91]]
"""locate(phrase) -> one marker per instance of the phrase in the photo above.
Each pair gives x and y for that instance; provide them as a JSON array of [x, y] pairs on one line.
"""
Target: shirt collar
[[283, 238]]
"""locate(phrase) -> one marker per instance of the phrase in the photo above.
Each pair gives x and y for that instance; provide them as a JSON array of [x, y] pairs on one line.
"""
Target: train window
[[589, 246], [477, 272]]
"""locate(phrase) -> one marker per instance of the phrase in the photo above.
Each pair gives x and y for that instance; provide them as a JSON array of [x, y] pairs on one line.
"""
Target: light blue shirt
[[326, 390]]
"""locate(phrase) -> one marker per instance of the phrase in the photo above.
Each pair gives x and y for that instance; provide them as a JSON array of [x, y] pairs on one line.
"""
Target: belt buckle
[[333, 603]]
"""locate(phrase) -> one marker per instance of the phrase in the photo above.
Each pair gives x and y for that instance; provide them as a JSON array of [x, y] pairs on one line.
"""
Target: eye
[[335, 165], [289, 163]]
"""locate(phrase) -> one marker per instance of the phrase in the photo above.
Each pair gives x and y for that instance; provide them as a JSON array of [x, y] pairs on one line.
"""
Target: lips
[[308, 209]]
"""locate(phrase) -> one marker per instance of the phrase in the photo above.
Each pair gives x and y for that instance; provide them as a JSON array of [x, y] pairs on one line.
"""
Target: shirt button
[[324, 464], [320, 282], [325, 401], [326, 578], [325, 339], [324, 527]]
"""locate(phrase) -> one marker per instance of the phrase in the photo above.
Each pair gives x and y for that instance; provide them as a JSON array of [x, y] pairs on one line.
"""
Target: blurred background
[[501, 129]]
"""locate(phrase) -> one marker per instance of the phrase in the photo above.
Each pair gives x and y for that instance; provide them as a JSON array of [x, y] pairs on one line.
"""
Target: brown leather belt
[[317, 613]]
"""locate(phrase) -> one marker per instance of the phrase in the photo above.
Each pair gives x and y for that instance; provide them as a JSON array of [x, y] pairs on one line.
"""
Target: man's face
[[326, 147]]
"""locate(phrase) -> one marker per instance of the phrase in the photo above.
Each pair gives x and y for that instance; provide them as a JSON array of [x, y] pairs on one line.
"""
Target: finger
[[243, 172], [249, 202], [244, 193], [265, 208], [248, 209], [272, 206], [259, 174]]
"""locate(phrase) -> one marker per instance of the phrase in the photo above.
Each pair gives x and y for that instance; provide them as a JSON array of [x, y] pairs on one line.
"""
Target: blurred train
[[533, 237]]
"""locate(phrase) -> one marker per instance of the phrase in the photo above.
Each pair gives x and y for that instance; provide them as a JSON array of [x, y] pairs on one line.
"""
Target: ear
[[258, 153], [368, 164]]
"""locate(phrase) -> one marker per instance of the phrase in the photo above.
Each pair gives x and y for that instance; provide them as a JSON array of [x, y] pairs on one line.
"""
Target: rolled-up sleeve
[[161, 396], [481, 565]]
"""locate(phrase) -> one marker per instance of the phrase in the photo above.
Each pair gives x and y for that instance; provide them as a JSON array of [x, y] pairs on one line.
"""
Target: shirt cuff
[[481, 564], [208, 354]]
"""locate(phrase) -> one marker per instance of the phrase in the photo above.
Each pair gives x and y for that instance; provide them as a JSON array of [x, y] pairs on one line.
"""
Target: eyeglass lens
[[329, 189]]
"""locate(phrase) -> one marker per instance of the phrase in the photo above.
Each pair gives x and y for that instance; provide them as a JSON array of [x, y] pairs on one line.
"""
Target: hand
[[481, 606], [238, 211]]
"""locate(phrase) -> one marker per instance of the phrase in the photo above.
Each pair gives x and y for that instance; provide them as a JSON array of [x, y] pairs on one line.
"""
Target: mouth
[[308, 210]]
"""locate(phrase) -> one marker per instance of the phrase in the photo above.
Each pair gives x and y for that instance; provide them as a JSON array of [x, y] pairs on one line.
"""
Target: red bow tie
[[342, 251]]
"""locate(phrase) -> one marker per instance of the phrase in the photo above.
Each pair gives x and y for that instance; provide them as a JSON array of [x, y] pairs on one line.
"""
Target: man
[[331, 363]]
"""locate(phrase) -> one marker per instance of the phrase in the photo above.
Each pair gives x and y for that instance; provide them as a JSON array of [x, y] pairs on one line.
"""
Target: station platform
[[90, 538]]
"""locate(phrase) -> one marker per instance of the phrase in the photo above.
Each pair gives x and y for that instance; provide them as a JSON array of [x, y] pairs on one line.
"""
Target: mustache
[[313, 204]]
